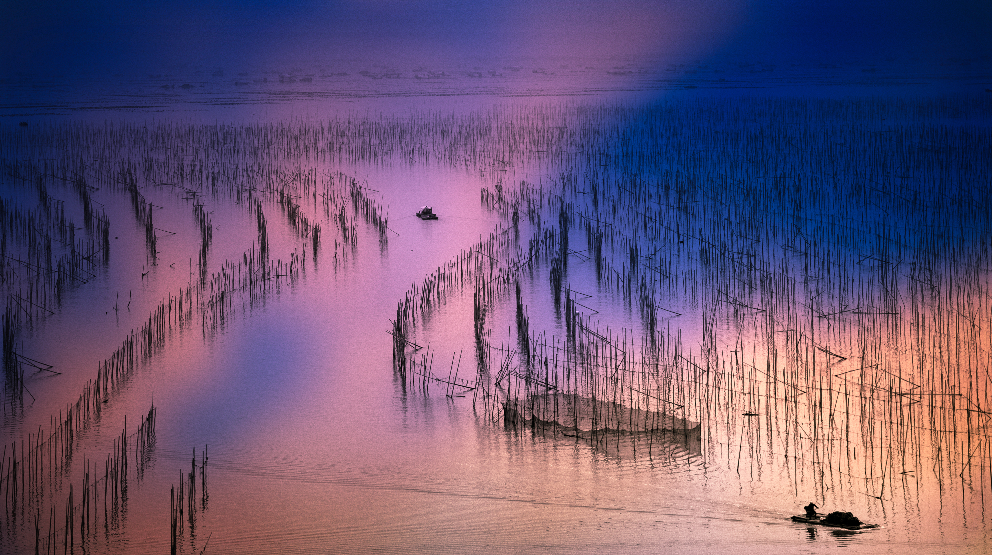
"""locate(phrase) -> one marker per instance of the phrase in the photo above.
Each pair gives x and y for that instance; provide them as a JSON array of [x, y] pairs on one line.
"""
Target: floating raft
[[570, 412]]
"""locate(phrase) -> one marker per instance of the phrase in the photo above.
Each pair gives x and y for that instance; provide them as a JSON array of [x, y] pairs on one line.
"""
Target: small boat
[[426, 213], [836, 519]]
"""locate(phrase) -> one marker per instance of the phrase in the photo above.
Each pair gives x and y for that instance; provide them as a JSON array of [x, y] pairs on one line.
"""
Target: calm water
[[316, 445]]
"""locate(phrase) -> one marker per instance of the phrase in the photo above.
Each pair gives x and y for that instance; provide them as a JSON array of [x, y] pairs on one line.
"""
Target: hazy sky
[[140, 36]]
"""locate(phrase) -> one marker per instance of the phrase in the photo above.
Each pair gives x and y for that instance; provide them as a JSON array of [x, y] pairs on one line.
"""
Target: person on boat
[[810, 510]]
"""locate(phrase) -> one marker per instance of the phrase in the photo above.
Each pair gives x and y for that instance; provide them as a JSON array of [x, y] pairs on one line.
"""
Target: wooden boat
[[834, 523], [426, 213]]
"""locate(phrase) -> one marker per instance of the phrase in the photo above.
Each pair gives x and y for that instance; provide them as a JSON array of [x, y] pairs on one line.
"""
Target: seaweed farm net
[[590, 416], [757, 284], [815, 295]]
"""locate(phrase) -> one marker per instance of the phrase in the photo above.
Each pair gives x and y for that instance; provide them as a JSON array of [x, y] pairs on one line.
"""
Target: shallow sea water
[[314, 444]]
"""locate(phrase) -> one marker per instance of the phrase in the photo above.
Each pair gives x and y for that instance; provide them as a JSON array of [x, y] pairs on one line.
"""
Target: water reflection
[[669, 449], [268, 265]]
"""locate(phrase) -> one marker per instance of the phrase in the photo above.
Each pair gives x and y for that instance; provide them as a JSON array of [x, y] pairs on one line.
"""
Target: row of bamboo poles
[[858, 332], [39, 472], [34, 480]]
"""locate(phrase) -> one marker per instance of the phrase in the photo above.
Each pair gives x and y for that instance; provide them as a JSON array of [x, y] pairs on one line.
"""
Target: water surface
[[316, 443]]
